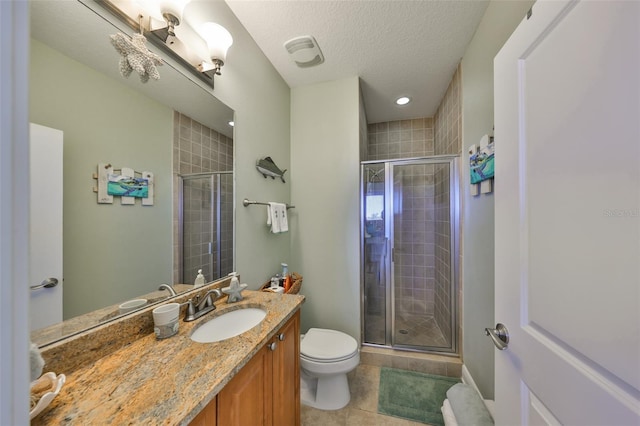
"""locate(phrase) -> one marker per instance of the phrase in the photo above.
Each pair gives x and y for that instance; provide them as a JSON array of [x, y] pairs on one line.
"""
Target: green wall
[[260, 98], [111, 252], [325, 153]]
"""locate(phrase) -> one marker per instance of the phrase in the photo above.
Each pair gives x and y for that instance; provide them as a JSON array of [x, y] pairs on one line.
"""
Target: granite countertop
[[169, 381], [91, 319]]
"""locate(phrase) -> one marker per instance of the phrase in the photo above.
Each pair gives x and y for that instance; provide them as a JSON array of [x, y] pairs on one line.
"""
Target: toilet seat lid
[[325, 345]]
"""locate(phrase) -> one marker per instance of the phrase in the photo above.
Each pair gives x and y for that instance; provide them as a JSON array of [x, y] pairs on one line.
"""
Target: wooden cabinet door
[[208, 416], [267, 390], [286, 374], [247, 398]]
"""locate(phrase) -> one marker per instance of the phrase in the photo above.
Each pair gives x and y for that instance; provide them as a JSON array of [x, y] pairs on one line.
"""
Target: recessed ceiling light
[[231, 123], [403, 100]]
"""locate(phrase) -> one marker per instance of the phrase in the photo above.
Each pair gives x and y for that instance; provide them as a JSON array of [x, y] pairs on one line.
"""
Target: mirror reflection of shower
[[206, 225]]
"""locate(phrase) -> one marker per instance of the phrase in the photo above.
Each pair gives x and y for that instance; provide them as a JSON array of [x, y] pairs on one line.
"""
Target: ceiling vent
[[304, 51]]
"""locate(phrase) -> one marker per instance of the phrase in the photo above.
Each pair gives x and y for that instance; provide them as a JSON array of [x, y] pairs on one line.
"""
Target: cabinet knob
[[281, 336], [273, 346]]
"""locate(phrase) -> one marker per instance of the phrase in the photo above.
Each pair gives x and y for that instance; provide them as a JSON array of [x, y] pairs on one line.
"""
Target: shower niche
[[409, 253]]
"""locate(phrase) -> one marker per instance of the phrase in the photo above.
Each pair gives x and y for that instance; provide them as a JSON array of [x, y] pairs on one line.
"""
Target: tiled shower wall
[[448, 119], [414, 272], [414, 227], [448, 140], [440, 135], [400, 139], [442, 227], [199, 149]]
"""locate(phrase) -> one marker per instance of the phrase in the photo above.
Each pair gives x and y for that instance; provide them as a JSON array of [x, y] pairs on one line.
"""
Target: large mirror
[[173, 127]]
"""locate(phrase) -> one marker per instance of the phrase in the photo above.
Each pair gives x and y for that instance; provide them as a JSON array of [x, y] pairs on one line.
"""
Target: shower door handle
[[499, 336]]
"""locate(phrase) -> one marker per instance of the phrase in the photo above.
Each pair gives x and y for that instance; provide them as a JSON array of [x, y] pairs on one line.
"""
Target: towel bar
[[246, 202]]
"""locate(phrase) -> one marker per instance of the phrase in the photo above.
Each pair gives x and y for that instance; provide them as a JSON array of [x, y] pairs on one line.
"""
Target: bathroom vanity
[[266, 391], [252, 378]]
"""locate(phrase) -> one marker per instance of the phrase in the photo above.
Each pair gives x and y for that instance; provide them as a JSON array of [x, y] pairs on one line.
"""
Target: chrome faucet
[[200, 306], [167, 287]]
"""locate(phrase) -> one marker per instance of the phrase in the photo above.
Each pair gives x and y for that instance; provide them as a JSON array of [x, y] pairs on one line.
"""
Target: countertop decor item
[[43, 390], [235, 289], [296, 284]]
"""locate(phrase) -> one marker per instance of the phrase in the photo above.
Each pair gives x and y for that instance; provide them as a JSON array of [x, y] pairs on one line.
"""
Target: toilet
[[326, 356]]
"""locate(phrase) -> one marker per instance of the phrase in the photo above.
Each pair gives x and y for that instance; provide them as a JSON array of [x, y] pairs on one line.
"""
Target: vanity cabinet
[[267, 389], [208, 416]]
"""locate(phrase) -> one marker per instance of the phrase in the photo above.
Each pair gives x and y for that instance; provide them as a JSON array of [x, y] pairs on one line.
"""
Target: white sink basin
[[228, 325]]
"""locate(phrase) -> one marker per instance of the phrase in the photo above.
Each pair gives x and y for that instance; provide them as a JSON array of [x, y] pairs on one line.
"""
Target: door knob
[[273, 346], [499, 335], [48, 283], [281, 336]]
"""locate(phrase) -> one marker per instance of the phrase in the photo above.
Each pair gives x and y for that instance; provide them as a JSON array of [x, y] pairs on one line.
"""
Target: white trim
[[466, 378], [14, 212]]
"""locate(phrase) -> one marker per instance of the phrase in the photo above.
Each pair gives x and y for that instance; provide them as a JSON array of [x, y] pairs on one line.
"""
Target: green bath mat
[[414, 396]]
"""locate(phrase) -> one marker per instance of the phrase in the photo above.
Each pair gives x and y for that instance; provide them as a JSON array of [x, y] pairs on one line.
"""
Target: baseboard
[[468, 379]]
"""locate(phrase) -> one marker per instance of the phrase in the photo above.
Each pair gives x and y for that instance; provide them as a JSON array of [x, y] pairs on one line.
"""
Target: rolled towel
[[36, 361], [447, 414], [467, 406]]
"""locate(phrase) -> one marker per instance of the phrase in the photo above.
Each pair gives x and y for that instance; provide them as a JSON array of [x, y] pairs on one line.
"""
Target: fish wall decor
[[267, 167]]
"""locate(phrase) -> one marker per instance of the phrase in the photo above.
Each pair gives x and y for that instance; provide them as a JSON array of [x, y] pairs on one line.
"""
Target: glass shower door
[[206, 216], [417, 239], [198, 227], [375, 254], [409, 218]]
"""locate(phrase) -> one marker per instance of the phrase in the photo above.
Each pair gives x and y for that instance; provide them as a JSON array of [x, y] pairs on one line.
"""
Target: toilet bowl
[[326, 356]]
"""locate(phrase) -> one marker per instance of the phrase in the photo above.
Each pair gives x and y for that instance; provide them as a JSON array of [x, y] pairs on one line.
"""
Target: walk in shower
[[206, 225], [409, 253]]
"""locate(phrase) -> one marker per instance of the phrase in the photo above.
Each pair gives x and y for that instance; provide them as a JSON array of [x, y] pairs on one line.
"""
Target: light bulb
[[218, 39]]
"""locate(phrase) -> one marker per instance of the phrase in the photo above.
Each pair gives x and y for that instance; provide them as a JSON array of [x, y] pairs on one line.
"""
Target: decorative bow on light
[[136, 56]]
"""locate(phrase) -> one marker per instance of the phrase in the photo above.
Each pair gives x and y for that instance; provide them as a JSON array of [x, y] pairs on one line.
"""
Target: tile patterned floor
[[421, 330], [362, 410]]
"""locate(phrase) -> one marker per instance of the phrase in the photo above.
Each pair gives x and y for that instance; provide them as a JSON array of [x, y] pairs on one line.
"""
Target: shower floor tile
[[418, 330], [421, 330]]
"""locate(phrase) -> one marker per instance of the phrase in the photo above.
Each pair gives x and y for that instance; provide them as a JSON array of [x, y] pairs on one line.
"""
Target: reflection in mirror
[[113, 252]]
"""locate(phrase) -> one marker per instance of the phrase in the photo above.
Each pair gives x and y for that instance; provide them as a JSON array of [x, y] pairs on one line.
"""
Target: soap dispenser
[[235, 289], [199, 282]]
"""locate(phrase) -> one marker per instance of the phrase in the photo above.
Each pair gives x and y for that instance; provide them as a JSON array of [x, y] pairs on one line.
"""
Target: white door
[[45, 234], [567, 216]]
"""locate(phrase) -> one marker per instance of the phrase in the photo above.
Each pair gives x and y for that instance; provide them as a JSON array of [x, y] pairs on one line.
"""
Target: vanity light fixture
[[219, 41], [201, 50], [172, 13], [403, 100]]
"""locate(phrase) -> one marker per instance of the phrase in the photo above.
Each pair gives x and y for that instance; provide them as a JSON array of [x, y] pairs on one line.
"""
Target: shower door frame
[[216, 213], [454, 214]]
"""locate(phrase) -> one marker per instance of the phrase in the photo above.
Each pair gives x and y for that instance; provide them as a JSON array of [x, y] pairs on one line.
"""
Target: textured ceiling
[[397, 48]]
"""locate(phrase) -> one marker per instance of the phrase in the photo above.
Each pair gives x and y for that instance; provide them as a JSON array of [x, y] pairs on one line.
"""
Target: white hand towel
[[282, 217], [272, 217]]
